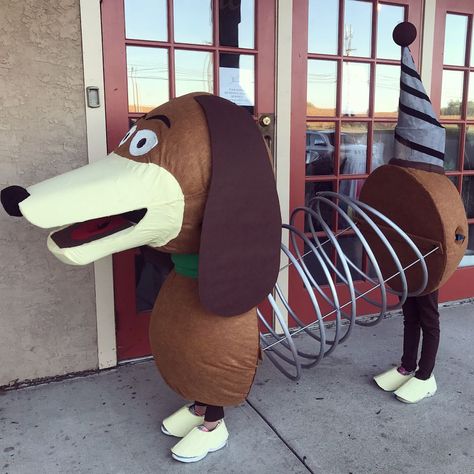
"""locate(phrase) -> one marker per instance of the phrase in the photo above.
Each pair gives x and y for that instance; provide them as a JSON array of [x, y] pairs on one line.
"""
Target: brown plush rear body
[[427, 206]]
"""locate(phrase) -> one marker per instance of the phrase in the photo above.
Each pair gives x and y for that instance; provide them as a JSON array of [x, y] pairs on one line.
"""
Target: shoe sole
[[198, 458], [411, 403], [167, 433]]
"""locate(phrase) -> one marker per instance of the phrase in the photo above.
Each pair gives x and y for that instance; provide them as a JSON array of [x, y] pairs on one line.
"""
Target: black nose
[[11, 197]]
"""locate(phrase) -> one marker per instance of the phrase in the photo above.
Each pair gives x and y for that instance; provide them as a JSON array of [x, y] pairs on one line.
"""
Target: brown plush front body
[[427, 206], [200, 355]]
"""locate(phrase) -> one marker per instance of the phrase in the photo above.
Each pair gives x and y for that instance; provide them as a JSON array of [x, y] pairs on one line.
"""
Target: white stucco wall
[[47, 309]]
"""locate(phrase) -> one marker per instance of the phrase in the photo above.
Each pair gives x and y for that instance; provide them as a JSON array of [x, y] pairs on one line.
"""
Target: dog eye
[[127, 135], [143, 142]]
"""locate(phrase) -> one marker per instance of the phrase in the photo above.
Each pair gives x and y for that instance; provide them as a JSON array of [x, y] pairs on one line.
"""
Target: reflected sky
[[455, 40]]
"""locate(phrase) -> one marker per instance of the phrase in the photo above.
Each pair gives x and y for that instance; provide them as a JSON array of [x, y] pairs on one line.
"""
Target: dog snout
[[11, 197]]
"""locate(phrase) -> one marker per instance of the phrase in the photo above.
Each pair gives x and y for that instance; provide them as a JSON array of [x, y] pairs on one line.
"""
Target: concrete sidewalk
[[333, 421]]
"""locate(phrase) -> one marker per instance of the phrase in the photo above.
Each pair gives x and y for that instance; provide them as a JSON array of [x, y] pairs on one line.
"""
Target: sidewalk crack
[[270, 425]]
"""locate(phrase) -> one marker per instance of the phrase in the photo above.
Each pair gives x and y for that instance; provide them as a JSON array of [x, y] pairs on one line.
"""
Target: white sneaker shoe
[[198, 443], [392, 379], [181, 422], [415, 390]]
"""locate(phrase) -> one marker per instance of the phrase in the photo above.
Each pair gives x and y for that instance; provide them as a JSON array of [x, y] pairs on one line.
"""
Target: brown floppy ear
[[239, 255]]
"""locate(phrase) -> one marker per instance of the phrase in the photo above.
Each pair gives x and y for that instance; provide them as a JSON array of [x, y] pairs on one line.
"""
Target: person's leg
[[411, 334], [429, 319], [212, 414]]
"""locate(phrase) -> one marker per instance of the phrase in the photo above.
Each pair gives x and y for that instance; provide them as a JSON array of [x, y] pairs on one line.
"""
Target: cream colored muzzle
[[112, 186]]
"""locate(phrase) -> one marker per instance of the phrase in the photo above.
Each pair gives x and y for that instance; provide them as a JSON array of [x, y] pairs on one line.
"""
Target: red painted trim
[[115, 71]]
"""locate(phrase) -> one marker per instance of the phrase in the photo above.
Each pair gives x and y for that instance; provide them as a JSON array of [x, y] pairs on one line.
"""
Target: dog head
[[191, 176]]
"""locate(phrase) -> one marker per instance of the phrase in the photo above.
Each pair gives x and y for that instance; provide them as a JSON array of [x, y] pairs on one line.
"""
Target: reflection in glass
[[355, 89], [389, 16], [468, 195], [351, 188], [468, 258], [313, 265], [151, 269], [353, 148], [454, 179], [237, 79], [311, 188], [455, 40], [322, 80], [193, 21], [472, 49], [147, 74], [470, 97], [469, 148], [357, 28], [451, 154], [146, 20], [323, 28], [237, 23], [451, 94], [352, 248], [387, 90], [193, 72], [384, 144], [320, 143]]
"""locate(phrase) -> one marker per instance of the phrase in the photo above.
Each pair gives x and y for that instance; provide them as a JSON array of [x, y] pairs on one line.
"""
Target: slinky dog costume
[[415, 193], [192, 178], [412, 189]]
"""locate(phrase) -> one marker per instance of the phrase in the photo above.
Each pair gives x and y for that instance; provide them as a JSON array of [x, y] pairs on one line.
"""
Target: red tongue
[[102, 225], [85, 232]]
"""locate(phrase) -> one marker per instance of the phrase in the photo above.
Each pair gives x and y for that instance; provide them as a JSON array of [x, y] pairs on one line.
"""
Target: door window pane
[[353, 250], [389, 16], [472, 49], [322, 87], [323, 28], [237, 79], [147, 74], [311, 188], [355, 89], [194, 72], [470, 97], [237, 23], [468, 195], [455, 40], [350, 188], [193, 21], [451, 94], [320, 145], [353, 148], [451, 155], [384, 144], [146, 20], [468, 259], [454, 179], [357, 28], [314, 266], [469, 148], [387, 90]]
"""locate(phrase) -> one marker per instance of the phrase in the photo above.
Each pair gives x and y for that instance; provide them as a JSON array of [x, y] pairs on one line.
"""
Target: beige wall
[[47, 309]]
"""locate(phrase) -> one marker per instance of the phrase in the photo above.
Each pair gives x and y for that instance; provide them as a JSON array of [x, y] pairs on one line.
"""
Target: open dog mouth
[[95, 229]]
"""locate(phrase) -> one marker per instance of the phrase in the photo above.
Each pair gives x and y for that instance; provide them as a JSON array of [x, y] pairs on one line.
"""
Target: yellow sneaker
[[198, 443], [391, 379], [415, 390], [181, 422]]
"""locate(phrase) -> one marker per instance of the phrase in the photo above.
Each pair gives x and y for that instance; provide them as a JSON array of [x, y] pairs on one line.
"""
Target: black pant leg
[[411, 334], [429, 319], [213, 412]]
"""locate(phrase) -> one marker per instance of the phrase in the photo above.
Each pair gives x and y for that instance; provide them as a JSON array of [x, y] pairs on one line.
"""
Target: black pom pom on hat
[[404, 33]]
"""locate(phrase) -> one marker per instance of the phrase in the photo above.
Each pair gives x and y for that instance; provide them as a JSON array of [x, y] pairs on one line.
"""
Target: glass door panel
[[155, 50]]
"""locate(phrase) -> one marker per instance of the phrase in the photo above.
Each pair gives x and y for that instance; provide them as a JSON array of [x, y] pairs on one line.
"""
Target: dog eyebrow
[[163, 118]]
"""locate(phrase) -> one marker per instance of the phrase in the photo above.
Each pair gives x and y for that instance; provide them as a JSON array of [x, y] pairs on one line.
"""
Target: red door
[[453, 97], [345, 91], [154, 51]]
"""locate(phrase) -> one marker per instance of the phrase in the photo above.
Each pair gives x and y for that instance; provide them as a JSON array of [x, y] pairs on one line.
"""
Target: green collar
[[186, 264]]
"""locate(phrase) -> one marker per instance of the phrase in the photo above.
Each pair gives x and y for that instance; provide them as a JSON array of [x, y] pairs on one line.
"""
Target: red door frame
[[460, 285], [132, 327], [297, 294]]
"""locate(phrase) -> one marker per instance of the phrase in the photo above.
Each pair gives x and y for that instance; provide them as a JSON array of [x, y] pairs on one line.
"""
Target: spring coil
[[281, 346]]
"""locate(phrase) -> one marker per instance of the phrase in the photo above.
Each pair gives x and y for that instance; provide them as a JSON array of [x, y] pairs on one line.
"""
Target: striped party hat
[[419, 137]]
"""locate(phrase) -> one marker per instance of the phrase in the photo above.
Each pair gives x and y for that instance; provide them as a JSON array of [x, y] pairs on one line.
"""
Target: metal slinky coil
[[281, 346]]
